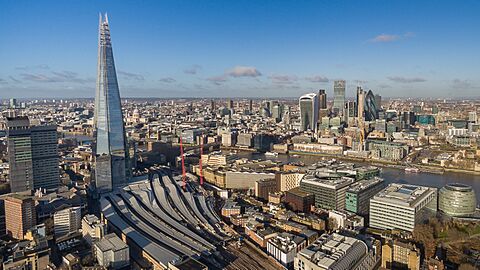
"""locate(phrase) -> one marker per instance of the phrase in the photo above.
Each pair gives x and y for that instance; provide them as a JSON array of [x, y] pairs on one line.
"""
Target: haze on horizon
[[242, 48]]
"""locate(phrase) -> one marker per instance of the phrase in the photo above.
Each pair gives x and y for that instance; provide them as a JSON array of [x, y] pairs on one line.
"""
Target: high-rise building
[[13, 103], [360, 104], [308, 104], [322, 99], [250, 106], [329, 193], [371, 109], [110, 149], [67, 221], [358, 195], [378, 101], [212, 105], [33, 155], [338, 96], [20, 215], [19, 154]]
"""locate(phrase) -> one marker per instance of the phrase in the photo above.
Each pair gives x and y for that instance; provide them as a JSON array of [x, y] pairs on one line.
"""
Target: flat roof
[[403, 194], [364, 184]]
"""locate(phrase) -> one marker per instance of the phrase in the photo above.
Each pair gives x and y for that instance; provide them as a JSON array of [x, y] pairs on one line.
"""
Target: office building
[[457, 200], [92, 229], [360, 105], [288, 180], [111, 252], [284, 247], [378, 101], [263, 187], [400, 206], [371, 109], [110, 149], [334, 251], [20, 215], [33, 155], [298, 200], [67, 221], [338, 96], [329, 192], [20, 154], [358, 195], [393, 151], [13, 103], [308, 104], [322, 99]]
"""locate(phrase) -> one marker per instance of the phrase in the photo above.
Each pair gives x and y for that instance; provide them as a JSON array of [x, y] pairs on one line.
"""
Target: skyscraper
[[360, 104], [110, 151], [322, 99], [308, 104], [371, 109], [33, 155], [339, 96]]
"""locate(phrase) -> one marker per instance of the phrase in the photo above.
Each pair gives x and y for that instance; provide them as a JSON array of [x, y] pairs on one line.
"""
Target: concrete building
[[329, 193], [400, 206], [288, 180], [20, 215], [32, 154], [393, 151], [334, 251], [397, 254], [112, 252], [457, 200], [92, 228], [298, 200], [231, 208], [263, 187], [358, 195], [67, 221], [218, 158], [245, 140], [284, 247]]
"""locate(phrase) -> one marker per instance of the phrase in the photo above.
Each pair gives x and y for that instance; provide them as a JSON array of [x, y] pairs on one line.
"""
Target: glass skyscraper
[[338, 96], [308, 111], [110, 148]]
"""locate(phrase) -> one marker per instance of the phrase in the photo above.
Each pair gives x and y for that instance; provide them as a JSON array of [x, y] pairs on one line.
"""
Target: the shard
[[110, 148]]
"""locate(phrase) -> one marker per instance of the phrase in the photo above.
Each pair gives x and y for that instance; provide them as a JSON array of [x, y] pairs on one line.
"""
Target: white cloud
[[243, 71]]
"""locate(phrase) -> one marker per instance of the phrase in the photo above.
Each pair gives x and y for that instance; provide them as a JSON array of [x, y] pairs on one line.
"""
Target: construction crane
[[200, 161], [184, 174]]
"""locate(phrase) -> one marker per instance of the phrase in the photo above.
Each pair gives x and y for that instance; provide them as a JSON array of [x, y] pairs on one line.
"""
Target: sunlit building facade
[[110, 150], [308, 111]]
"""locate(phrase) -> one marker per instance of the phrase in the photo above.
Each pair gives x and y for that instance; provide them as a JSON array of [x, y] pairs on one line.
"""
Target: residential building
[[398, 254]]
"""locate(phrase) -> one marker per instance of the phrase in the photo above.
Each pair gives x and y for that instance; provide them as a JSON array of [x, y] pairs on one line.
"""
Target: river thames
[[393, 175]]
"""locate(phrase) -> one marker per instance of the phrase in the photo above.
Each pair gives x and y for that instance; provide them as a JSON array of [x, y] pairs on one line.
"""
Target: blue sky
[[242, 48]]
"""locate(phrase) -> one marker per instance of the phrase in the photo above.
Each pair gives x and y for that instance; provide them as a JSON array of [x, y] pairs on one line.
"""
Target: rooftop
[[403, 194], [364, 184]]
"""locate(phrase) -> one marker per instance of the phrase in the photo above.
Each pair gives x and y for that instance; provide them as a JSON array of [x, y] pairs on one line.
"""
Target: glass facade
[[308, 111], [110, 150], [339, 96]]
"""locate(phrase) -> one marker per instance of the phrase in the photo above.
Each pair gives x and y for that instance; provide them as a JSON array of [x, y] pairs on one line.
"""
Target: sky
[[267, 48]]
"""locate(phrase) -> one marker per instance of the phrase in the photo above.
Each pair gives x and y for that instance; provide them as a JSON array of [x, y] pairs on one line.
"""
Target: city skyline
[[173, 50]]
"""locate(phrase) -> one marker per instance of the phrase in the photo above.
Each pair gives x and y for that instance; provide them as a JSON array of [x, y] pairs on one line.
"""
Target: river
[[393, 175]]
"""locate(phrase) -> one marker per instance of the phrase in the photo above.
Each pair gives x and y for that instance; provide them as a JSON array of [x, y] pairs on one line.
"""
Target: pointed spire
[[106, 17]]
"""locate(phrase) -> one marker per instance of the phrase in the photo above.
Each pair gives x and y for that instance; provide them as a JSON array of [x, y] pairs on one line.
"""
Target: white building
[[398, 206], [67, 221], [111, 252], [284, 247], [334, 251], [92, 228]]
